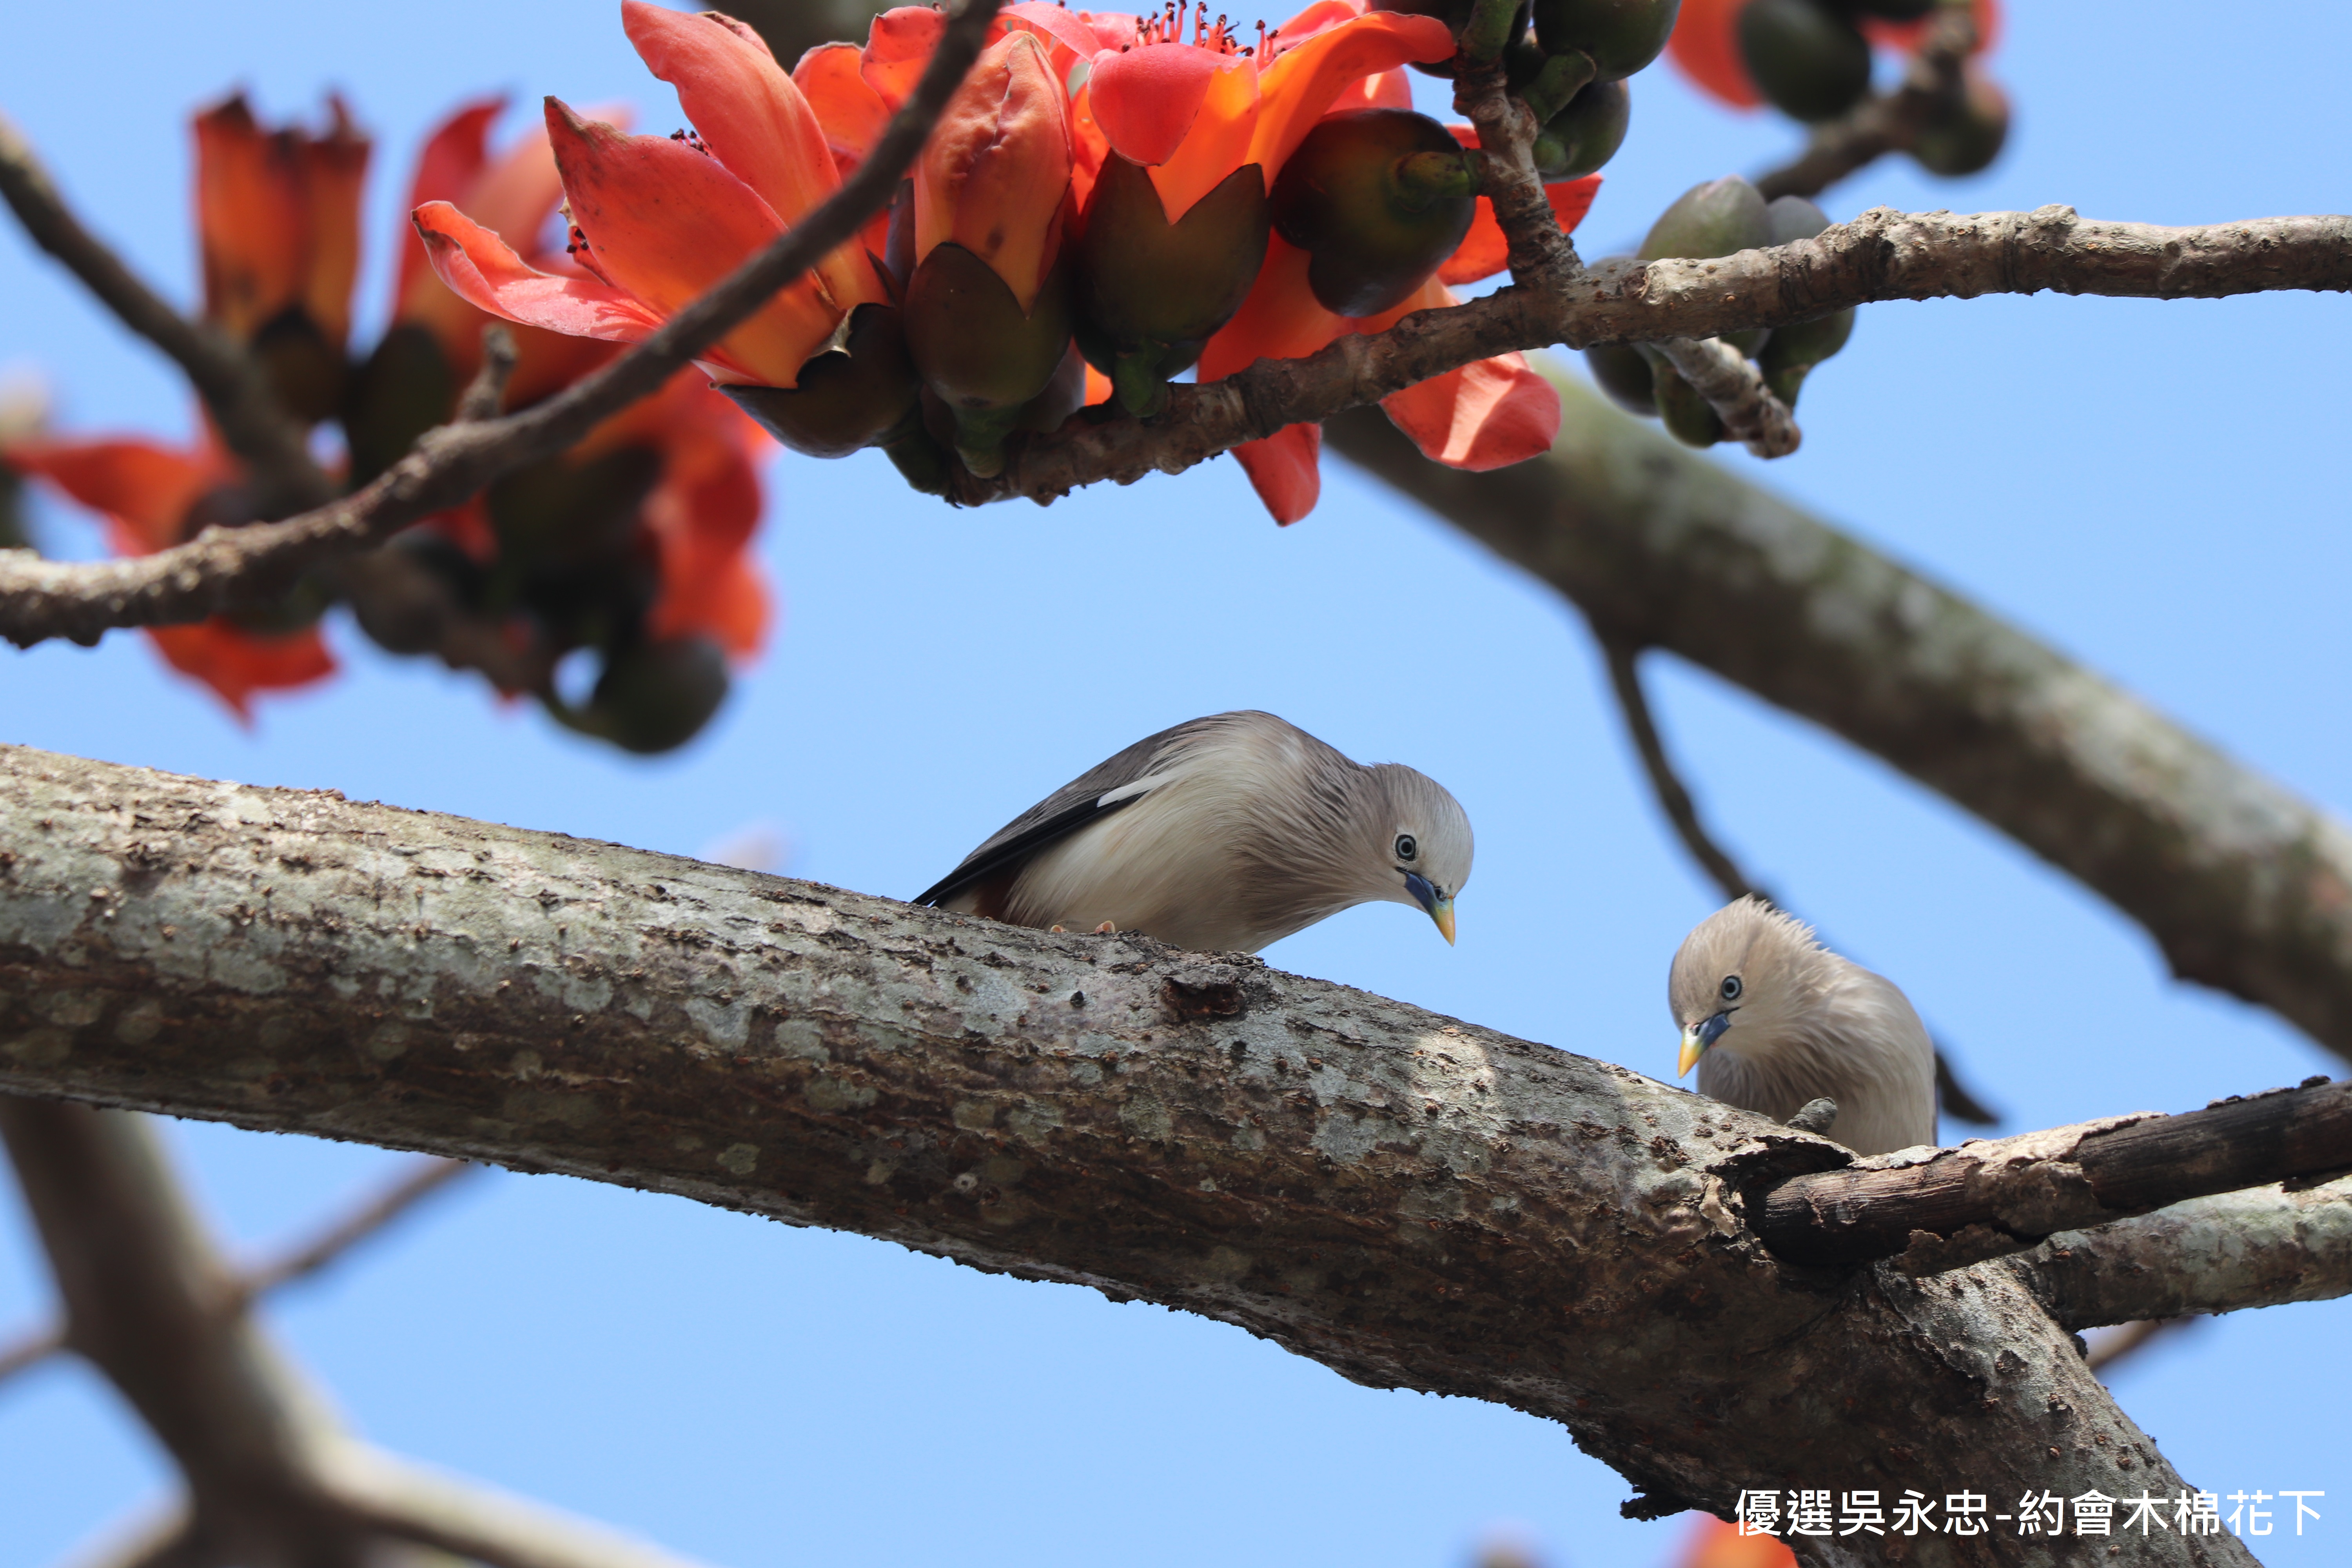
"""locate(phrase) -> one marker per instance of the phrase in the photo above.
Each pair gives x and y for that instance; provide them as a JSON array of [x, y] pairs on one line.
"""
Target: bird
[[1773, 1020], [1220, 834]]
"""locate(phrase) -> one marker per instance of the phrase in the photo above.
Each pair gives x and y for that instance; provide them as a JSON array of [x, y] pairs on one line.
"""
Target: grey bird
[[1773, 1020], [1221, 835]]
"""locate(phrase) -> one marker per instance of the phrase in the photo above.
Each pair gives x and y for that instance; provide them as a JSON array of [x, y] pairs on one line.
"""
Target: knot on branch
[[1204, 991]]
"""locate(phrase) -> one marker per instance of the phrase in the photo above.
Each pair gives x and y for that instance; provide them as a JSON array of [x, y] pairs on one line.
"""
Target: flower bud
[[1620, 35], [1378, 198], [993, 175], [1718, 218], [1966, 138], [1794, 350], [1808, 60], [1586, 134], [1151, 291]]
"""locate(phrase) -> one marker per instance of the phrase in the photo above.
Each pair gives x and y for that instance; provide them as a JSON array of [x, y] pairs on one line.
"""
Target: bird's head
[[1742, 980], [1417, 844]]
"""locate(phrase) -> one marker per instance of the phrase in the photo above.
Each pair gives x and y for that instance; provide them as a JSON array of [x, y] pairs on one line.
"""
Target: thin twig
[[2109, 1346], [223, 568], [1726, 378], [1623, 658], [424, 1178], [246, 411], [487, 390], [1886, 122]]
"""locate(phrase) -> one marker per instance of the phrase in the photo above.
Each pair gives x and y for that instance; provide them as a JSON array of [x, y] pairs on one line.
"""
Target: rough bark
[[2219, 1253], [1408, 1200], [1942, 1207], [2245, 886]]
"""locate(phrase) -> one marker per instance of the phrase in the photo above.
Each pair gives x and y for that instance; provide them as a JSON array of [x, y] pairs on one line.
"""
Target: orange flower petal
[[334, 177], [1070, 35], [1718, 1543], [1284, 470], [1296, 90], [145, 489], [844, 101], [452, 159], [483, 270], [1389, 89], [994, 174], [1148, 98], [237, 663], [755, 121], [1487, 415], [1485, 252], [251, 216], [665, 221], [898, 46], [1281, 319], [1219, 142], [1705, 48]]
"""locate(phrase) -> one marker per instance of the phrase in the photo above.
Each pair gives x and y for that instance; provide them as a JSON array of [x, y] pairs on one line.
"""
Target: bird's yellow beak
[[1693, 1047], [1442, 913]]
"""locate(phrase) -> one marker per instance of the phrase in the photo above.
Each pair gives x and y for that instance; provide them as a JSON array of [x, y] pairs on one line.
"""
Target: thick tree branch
[[2244, 886], [244, 410], [1884, 123], [1408, 1200], [305, 1259], [273, 1480], [224, 567], [2219, 1253], [1935, 1210]]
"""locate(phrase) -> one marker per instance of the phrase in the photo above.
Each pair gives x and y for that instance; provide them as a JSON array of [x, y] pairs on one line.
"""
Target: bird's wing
[[1100, 789]]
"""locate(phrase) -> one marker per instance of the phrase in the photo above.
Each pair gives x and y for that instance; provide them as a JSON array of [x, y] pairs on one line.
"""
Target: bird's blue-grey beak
[[1425, 895], [1698, 1036]]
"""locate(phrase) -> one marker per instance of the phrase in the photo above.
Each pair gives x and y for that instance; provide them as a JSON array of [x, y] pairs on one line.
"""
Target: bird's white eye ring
[[1406, 848], [1731, 988]]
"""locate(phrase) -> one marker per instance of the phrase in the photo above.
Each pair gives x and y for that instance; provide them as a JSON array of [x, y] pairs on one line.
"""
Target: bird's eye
[[1731, 988], [1405, 846]]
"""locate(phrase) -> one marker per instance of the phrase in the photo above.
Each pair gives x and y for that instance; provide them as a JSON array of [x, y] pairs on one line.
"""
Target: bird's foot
[[1107, 928], [1059, 930]]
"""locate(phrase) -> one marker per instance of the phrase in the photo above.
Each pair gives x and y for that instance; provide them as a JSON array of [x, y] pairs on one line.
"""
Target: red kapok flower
[[152, 496], [659, 220]]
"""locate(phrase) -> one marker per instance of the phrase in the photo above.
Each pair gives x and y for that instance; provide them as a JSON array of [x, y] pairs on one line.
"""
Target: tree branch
[[1884, 123], [1408, 1200], [273, 1480], [223, 568], [2220, 1254], [2244, 885], [1882, 255], [1936, 1211], [251, 422], [1727, 379]]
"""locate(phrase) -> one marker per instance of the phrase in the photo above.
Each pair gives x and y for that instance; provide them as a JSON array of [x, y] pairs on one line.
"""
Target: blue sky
[[2154, 486]]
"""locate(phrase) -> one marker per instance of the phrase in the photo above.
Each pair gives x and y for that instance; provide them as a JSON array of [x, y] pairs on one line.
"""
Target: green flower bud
[[975, 348], [652, 696], [1621, 36], [1720, 218], [302, 367], [404, 389], [1620, 371], [1379, 198], [1585, 135], [859, 393], [1968, 139], [1150, 292], [1689, 418], [1807, 60], [1456, 14]]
